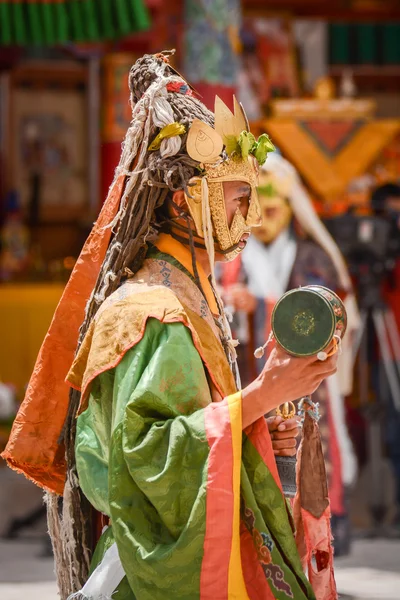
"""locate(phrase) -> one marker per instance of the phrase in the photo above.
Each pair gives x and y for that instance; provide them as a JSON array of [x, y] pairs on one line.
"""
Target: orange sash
[[34, 447]]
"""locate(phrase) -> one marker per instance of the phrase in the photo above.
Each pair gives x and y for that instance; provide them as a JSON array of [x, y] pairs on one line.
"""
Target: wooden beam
[[61, 74], [334, 10], [370, 77]]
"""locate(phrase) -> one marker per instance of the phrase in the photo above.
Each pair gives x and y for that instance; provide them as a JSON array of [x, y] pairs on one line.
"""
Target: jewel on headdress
[[170, 130]]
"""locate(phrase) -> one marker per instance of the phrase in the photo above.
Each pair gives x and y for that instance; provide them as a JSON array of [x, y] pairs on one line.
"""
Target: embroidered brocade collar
[[167, 245]]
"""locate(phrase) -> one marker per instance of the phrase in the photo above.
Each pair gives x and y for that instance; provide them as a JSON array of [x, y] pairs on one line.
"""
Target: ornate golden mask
[[238, 163]]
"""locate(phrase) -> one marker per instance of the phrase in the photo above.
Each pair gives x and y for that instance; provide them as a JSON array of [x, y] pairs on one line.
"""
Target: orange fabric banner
[[34, 448]]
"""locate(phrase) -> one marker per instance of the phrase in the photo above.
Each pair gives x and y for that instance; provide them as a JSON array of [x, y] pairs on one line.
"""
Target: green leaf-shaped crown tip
[[263, 146], [232, 146], [246, 143]]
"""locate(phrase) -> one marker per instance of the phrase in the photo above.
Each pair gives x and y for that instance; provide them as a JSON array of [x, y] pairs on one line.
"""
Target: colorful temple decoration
[[211, 47], [50, 22], [332, 142]]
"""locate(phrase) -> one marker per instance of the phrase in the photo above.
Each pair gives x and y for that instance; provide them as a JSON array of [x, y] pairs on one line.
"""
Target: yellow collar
[[168, 245]]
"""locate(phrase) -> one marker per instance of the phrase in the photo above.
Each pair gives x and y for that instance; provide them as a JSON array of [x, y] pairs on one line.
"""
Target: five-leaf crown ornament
[[205, 144]]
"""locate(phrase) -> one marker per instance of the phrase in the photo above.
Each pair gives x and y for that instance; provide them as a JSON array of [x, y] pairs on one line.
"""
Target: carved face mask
[[238, 163], [226, 235], [276, 210], [276, 217]]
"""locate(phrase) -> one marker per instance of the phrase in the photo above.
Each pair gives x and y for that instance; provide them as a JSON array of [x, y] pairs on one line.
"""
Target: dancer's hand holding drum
[[284, 378], [307, 325]]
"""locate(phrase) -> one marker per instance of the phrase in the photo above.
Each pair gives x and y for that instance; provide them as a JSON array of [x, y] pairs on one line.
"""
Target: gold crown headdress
[[205, 144]]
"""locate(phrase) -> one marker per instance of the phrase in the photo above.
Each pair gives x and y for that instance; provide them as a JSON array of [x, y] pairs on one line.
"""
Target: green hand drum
[[304, 322]]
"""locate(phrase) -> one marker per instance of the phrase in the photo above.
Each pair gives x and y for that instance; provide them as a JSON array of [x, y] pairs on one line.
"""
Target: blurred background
[[323, 79]]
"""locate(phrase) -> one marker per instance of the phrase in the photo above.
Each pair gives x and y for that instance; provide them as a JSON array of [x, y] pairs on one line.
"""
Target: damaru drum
[[305, 320]]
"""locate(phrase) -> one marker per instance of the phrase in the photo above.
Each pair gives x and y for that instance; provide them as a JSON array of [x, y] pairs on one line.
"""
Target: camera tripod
[[378, 323]]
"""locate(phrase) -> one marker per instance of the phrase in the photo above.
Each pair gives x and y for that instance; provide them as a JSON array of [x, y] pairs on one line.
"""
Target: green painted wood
[[367, 51], [123, 16], [391, 43], [5, 23], [106, 19], [140, 15], [61, 21], [50, 23], [35, 26], [19, 24], [339, 43], [91, 13], [50, 32]]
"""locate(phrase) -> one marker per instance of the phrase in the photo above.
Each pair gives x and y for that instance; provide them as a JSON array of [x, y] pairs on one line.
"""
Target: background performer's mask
[[275, 209]]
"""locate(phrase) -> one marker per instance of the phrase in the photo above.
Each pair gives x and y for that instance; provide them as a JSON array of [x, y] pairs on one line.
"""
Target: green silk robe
[[195, 504]]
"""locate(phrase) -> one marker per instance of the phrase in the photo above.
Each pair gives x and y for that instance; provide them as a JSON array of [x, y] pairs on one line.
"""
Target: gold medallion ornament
[[203, 143], [228, 152]]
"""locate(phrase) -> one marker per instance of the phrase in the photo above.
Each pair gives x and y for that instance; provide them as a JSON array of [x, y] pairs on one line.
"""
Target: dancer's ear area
[[194, 205]]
